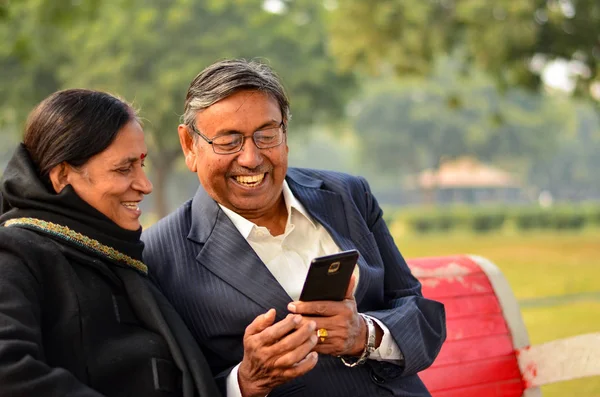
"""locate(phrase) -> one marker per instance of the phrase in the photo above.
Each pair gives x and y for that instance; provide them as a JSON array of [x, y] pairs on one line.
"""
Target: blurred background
[[476, 122]]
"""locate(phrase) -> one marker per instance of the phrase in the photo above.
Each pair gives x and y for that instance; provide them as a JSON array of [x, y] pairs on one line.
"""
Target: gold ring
[[322, 334]]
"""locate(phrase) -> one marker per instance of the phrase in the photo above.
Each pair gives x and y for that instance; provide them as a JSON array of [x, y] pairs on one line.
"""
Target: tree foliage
[[571, 172], [501, 37], [148, 51], [409, 126]]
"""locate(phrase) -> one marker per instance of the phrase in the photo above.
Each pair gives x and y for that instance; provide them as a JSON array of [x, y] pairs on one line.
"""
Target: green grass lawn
[[565, 267]]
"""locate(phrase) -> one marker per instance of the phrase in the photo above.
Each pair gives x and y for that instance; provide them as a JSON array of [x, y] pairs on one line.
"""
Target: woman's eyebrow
[[129, 160]]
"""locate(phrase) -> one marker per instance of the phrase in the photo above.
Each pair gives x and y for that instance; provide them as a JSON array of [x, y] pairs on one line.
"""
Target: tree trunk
[[162, 167], [159, 194]]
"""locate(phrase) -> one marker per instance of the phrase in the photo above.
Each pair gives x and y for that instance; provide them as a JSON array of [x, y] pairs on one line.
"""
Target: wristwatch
[[369, 345]]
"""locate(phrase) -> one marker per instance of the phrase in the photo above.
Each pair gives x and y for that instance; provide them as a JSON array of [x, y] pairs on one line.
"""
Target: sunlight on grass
[[547, 323], [535, 265], [589, 387]]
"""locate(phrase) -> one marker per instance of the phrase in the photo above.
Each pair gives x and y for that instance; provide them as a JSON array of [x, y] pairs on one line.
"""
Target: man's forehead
[[243, 106], [243, 98]]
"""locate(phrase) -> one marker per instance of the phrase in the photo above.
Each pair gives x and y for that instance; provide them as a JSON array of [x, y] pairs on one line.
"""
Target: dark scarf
[[24, 194]]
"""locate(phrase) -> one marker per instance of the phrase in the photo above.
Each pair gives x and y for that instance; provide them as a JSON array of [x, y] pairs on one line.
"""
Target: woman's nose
[[142, 183]]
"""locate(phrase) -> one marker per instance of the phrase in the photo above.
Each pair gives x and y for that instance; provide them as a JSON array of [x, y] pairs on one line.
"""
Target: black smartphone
[[328, 277]]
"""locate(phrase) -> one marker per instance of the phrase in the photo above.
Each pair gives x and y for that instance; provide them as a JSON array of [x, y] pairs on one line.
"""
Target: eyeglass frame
[[281, 125]]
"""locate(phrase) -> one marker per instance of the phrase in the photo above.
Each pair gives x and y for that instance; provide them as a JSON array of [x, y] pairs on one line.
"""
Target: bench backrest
[[485, 329]]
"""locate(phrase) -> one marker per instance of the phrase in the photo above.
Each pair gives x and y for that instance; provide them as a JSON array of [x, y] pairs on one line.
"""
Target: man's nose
[[250, 156]]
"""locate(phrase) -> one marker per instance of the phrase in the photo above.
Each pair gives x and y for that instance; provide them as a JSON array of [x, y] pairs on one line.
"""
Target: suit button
[[377, 379]]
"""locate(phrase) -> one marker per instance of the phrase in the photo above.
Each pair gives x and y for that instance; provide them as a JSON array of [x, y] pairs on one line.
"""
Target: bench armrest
[[560, 360]]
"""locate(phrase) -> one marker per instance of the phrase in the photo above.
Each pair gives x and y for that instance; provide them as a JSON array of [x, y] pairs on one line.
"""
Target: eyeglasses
[[234, 142]]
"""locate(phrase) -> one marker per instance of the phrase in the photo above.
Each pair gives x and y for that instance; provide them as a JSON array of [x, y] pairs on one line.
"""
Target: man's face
[[250, 181]]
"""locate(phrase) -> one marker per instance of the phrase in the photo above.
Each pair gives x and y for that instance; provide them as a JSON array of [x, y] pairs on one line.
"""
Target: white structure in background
[[545, 199], [465, 180]]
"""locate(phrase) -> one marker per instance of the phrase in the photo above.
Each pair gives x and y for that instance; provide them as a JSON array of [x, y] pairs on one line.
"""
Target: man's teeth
[[131, 206], [250, 179]]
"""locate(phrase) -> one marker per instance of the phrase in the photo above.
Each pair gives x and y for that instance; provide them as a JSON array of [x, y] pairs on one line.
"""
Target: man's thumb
[[350, 290]]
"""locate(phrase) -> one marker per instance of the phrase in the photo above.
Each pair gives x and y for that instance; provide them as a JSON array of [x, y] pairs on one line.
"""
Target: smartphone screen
[[328, 276]]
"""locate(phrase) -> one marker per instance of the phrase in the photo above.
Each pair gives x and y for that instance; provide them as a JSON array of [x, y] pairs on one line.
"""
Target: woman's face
[[114, 181]]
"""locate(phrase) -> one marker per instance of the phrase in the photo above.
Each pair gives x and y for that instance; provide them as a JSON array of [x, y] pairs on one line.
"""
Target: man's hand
[[346, 329], [275, 353]]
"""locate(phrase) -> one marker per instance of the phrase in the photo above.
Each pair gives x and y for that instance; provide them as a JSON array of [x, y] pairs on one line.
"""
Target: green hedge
[[489, 219]]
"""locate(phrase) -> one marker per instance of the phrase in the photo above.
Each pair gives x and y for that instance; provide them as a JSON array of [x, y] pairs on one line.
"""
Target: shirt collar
[[245, 226], [291, 202]]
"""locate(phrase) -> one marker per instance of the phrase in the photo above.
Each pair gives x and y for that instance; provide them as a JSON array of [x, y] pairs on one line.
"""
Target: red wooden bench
[[487, 351]]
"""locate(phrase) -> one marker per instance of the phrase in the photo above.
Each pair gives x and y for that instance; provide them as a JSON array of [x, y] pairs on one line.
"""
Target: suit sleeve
[[23, 372], [417, 325]]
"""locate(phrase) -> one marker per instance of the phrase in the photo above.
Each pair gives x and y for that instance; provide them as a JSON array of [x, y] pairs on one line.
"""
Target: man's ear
[[187, 145], [285, 136], [59, 176]]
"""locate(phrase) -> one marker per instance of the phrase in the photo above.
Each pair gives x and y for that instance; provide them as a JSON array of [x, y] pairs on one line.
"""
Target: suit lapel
[[229, 256], [327, 208]]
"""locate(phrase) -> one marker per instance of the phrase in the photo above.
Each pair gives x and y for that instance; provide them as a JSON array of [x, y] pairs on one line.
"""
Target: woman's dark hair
[[72, 126]]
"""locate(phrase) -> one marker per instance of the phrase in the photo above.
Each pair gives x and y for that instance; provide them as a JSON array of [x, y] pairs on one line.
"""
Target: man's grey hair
[[224, 78]]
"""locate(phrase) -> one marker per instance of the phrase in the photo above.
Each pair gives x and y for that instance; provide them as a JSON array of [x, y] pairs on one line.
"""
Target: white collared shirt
[[288, 257]]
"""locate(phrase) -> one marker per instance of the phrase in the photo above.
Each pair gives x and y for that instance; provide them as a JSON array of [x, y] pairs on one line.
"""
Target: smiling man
[[233, 259], [246, 178]]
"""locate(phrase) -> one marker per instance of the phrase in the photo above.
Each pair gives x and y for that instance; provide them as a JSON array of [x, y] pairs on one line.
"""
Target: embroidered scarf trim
[[82, 240]]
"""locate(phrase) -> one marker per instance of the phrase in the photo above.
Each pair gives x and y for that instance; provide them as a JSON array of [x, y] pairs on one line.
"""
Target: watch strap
[[369, 345]]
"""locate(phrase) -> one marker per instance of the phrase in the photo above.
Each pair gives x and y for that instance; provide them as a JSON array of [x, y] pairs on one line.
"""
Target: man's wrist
[[248, 388], [369, 344], [371, 336], [361, 340]]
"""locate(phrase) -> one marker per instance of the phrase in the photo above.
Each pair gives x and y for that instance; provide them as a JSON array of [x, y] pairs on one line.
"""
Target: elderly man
[[233, 259]]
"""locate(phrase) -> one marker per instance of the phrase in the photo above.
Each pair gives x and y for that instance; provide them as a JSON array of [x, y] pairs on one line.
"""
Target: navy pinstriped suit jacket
[[219, 285]]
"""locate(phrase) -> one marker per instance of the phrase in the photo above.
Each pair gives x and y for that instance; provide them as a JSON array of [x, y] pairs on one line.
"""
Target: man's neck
[[274, 220]]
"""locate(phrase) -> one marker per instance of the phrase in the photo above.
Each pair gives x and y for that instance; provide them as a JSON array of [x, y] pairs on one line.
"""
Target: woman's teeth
[[250, 180], [131, 205]]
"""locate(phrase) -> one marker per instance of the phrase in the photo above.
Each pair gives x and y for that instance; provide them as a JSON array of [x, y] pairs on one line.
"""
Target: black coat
[[76, 323]]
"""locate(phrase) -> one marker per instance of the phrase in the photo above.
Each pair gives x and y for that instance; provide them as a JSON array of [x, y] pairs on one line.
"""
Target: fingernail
[[268, 313], [313, 355], [297, 319], [312, 325], [313, 339], [291, 307]]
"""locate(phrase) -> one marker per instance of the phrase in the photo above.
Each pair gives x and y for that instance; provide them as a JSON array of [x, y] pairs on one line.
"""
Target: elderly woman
[[78, 316]]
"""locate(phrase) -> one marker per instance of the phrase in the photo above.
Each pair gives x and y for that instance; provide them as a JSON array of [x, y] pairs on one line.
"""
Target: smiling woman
[[92, 142], [113, 180], [78, 315]]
